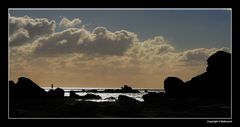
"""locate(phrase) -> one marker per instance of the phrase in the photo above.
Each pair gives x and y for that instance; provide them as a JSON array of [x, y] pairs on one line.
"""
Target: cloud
[[158, 45], [25, 29], [74, 40], [66, 23], [77, 55], [19, 37], [198, 55], [151, 50]]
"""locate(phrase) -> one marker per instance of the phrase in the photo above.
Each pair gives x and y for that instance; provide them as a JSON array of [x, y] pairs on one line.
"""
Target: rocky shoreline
[[206, 96]]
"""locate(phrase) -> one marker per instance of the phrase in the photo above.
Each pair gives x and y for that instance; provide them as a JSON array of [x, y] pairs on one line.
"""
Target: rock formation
[[25, 88], [174, 86]]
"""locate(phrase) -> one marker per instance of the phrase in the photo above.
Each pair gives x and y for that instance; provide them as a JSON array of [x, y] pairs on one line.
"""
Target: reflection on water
[[109, 97]]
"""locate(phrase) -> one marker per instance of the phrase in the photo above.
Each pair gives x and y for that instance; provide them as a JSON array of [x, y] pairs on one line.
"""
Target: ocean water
[[105, 96]]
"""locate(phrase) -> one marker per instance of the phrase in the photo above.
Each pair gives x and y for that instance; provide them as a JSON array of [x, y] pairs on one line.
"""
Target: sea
[[106, 97]]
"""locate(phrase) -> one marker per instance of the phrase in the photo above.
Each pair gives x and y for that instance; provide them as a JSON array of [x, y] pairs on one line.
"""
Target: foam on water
[[105, 96]]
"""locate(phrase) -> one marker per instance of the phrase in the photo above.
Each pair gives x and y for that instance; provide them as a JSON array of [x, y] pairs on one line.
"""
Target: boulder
[[216, 81], [219, 62], [25, 88], [174, 86]]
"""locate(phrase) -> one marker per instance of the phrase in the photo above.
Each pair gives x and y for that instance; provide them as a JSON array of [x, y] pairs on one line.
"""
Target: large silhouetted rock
[[219, 62], [216, 82], [13, 89], [174, 86], [25, 88]]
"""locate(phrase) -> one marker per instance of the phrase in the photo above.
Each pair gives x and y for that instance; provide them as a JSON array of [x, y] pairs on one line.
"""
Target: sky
[[110, 48]]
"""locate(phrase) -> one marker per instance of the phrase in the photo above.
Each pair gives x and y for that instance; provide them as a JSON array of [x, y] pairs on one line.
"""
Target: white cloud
[[109, 56], [198, 56], [66, 23], [26, 29], [151, 51], [19, 37], [73, 40]]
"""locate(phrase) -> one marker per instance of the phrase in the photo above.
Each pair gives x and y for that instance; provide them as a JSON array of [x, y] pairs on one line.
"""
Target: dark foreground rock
[[205, 96], [153, 97], [124, 107], [25, 88], [174, 86], [207, 91], [122, 99], [215, 83], [70, 108]]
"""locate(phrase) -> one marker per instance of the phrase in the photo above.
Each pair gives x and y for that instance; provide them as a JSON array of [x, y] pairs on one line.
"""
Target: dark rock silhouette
[[51, 93], [124, 89], [73, 94], [122, 99], [57, 93], [91, 96], [153, 97], [202, 96], [216, 82], [13, 90], [219, 62], [174, 86], [25, 88], [128, 89]]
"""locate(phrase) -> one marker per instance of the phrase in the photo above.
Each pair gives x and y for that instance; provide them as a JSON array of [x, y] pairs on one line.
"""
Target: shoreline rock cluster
[[213, 84], [200, 94]]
